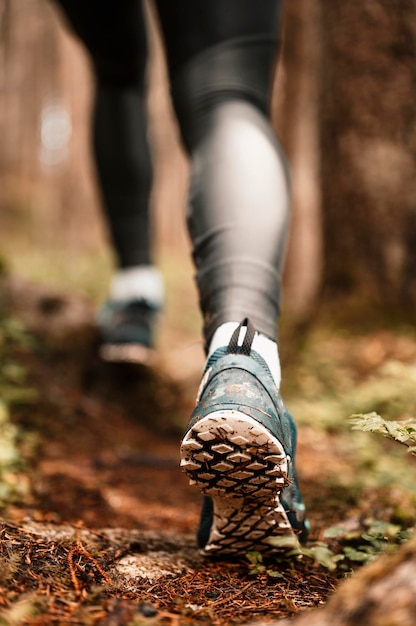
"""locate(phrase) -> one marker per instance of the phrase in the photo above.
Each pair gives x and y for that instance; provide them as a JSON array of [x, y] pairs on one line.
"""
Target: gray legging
[[221, 57]]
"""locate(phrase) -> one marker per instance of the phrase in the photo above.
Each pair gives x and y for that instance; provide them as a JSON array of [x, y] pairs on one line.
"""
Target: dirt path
[[105, 534]]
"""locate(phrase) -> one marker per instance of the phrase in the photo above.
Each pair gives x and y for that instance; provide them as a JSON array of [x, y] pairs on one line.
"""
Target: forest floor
[[98, 523]]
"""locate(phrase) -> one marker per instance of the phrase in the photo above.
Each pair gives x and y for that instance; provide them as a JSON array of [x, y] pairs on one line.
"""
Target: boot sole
[[238, 463]]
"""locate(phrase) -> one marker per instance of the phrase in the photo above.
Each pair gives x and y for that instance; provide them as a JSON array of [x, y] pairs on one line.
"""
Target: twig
[[72, 573], [97, 566]]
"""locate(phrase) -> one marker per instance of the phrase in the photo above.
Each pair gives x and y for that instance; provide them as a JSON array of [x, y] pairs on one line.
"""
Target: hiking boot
[[239, 450], [127, 331]]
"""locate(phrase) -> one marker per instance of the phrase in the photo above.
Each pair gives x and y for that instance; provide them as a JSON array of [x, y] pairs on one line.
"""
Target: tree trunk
[[368, 146], [295, 116]]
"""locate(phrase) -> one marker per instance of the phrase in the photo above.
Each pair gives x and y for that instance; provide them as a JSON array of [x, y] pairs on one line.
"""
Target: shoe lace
[[245, 348]]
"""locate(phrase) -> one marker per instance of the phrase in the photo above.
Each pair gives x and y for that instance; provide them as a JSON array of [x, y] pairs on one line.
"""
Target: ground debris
[[104, 532], [70, 575], [381, 594]]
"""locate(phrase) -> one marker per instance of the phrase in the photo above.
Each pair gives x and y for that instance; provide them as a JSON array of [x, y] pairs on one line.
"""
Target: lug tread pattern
[[239, 463]]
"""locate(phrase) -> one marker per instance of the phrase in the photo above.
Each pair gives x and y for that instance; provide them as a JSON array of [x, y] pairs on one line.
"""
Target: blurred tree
[[295, 113], [368, 153]]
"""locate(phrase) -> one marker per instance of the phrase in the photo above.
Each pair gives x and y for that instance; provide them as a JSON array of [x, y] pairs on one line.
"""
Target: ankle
[[136, 283], [267, 348]]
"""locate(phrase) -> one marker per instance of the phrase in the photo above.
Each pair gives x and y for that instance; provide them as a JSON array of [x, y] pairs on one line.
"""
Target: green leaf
[[359, 555], [254, 557], [286, 542], [404, 431], [323, 555]]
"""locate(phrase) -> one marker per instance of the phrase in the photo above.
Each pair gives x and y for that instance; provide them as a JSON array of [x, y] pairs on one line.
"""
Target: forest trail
[[105, 531]]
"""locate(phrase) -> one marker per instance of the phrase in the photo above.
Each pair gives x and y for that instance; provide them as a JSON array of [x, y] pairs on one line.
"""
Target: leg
[[239, 200], [115, 37], [240, 443]]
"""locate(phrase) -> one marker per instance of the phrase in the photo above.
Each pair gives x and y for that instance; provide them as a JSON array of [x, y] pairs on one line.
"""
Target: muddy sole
[[238, 463]]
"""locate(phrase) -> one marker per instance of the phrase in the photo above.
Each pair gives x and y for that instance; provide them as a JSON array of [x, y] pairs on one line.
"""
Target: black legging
[[221, 57]]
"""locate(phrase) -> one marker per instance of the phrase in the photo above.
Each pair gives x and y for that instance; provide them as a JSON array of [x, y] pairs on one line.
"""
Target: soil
[[106, 531]]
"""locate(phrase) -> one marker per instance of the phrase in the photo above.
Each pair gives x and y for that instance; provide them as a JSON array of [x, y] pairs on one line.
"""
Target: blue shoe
[[127, 331], [239, 450]]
